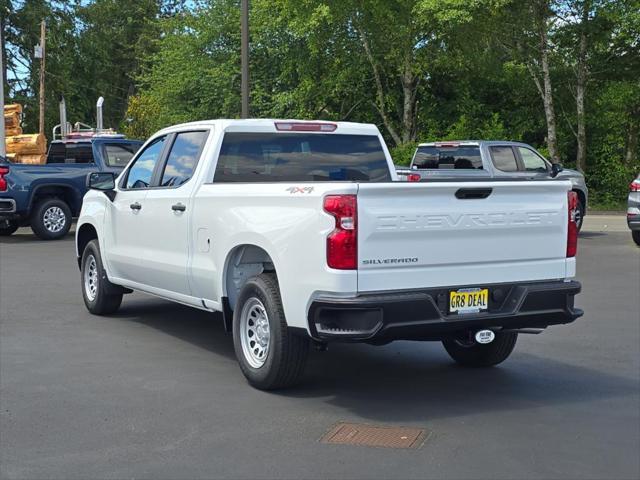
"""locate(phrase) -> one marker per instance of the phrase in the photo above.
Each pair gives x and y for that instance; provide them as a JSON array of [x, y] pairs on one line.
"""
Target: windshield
[[301, 157], [448, 157]]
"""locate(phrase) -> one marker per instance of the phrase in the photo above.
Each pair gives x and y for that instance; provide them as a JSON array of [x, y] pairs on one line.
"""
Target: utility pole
[[245, 57], [42, 66]]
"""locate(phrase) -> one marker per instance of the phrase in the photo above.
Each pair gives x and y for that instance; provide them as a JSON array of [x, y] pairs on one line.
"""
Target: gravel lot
[[155, 391]]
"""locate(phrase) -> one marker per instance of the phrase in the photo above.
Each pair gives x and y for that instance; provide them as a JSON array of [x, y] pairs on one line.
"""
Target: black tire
[[107, 297], [471, 354], [581, 213], [286, 355], [635, 234], [44, 227], [8, 227]]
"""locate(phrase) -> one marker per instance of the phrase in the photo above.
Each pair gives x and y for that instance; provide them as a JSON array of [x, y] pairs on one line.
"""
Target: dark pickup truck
[[47, 197]]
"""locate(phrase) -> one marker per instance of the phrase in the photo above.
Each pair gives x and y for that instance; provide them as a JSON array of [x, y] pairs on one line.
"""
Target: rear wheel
[[466, 351], [101, 297], [635, 234], [51, 219], [270, 356], [8, 227]]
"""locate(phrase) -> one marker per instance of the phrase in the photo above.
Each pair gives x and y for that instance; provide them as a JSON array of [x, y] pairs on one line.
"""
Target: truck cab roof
[[472, 143], [278, 125]]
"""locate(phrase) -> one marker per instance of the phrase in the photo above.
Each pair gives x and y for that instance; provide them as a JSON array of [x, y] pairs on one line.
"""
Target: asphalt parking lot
[[155, 392]]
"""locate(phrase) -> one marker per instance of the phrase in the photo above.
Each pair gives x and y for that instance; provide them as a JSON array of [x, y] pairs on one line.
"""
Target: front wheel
[[8, 227], [635, 234], [468, 352], [51, 219], [270, 356], [97, 290]]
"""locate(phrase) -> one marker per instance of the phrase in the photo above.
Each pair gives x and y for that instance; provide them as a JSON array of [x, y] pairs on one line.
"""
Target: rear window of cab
[[466, 157], [301, 157]]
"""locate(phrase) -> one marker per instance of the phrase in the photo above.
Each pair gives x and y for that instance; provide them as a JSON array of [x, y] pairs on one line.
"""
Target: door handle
[[178, 207], [135, 206], [473, 193]]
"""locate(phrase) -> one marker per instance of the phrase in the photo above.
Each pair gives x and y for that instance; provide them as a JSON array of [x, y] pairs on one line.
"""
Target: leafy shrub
[[403, 154]]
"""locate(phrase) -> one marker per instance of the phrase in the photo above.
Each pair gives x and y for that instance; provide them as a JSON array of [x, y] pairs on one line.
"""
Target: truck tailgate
[[461, 234]]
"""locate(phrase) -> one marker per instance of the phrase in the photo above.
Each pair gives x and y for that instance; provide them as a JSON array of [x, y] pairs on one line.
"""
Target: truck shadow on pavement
[[197, 327], [409, 381], [402, 381]]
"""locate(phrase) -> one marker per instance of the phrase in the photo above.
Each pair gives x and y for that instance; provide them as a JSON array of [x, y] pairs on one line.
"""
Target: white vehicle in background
[[292, 229]]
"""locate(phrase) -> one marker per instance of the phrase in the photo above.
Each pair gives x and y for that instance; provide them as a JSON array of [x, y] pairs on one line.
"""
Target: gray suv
[[481, 158]]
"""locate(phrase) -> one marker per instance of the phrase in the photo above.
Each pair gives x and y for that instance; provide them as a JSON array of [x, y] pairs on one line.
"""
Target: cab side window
[[183, 158], [504, 159], [532, 161], [141, 172], [118, 155]]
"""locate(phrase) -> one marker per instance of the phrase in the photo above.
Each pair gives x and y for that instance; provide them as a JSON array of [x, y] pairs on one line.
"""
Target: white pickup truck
[[300, 234]]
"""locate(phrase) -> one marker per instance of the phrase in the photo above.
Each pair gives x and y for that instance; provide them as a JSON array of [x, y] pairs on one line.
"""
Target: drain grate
[[375, 436]]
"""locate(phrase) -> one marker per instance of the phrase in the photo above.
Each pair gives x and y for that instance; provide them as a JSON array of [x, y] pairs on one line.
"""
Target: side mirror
[[103, 181], [556, 168]]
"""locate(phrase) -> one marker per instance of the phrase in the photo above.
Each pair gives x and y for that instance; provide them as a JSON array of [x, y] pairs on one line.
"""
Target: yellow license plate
[[469, 300]]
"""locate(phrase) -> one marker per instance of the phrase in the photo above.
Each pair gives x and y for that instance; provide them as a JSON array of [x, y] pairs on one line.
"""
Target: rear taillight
[[572, 231], [3, 181], [342, 242], [634, 186], [413, 177]]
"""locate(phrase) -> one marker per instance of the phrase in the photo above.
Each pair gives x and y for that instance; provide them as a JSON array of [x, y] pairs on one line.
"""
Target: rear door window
[[436, 157], [504, 158], [301, 157], [183, 158]]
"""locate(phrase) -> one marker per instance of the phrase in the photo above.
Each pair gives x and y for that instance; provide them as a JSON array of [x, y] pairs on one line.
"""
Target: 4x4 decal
[[293, 190]]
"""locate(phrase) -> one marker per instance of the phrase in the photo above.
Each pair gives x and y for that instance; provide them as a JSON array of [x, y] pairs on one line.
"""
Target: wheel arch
[[65, 192], [243, 262], [86, 232], [582, 197]]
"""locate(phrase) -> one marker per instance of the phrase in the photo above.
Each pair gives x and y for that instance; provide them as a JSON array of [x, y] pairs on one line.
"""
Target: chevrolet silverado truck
[[291, 229], [47, 197], [490, 159]]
